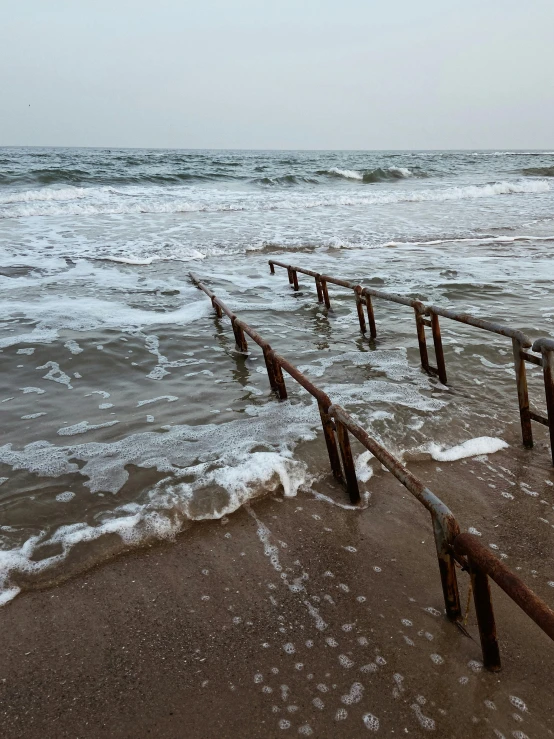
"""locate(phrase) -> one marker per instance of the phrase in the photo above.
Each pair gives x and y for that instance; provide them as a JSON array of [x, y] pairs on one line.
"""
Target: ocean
[[127, 413]]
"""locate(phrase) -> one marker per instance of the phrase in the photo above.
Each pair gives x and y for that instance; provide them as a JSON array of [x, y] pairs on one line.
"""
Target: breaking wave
[[104, 201], [372, 175]]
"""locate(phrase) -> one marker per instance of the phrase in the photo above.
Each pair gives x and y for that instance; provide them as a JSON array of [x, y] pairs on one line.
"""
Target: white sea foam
[[225, 459], [469, 448], [87, 314], [169, 398], [213, 201], [48, 194], [402, 171], [83, 427], [472, 240], [349, 174]]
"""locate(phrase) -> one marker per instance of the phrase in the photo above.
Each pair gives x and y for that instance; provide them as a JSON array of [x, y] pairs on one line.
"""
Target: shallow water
[[127, 411]]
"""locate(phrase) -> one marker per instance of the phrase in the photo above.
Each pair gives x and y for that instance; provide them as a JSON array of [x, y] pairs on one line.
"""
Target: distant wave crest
[[288, 179], [83, 177], [372, 175]]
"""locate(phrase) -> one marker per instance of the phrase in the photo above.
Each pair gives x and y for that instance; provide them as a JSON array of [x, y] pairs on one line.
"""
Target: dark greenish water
[[127, 412]]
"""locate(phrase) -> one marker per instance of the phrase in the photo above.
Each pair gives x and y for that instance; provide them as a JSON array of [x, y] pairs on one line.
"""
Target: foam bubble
[[84, 426], [56, 374], [169, 398], [371, 722]]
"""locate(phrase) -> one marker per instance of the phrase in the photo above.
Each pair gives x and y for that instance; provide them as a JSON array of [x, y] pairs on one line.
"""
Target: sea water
[[127, 411]]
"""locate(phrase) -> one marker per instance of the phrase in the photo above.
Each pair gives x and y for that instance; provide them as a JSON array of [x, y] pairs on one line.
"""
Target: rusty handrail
[[428, 316], [449, 542], [445, 526], [482, 564]]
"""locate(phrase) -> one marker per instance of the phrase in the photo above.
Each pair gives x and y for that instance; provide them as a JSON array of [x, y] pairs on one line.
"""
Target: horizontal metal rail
[[449, 543], [428, 317]]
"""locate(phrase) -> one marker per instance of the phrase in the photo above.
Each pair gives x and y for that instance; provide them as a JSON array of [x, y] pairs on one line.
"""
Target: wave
[[373, 175], [242, 467], [106, 201], [512, 153], [288, 179], [471, 240], [538, 172], [347, 174], [82, 177], [384, 175]]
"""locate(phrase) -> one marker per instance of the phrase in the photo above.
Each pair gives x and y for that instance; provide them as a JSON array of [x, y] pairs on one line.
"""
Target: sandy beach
[[292, 616]]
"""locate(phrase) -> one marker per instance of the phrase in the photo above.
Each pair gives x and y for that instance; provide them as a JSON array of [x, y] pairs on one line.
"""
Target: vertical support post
[[240, 338], [289, 272], [272, 268], [485, 617], [360, 308], [548, 373], [447, 569], [439, 353], [420, 326], [370, 316], [319, 291], [294, 279], [270, 368], [279, 380], [523, 396], [216, 307], [334, 459], [325, 293], [348, 463]]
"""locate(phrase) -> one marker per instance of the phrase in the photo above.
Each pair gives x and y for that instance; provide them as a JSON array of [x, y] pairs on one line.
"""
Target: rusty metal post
[[348, 463], [319, 290], [522, 395], [420, 326], [217, 308], [371, 317], [439, 353], [295, 279], [325, 293], [360, 308], [548, 373], [485, 617], [445, 530], [330, 440], [270, 368], [289, 272], [272, 268], [279, 380], [240, 338]]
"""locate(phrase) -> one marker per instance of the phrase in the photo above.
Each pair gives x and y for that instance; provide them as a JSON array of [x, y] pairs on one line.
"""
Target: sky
[[292, 74]]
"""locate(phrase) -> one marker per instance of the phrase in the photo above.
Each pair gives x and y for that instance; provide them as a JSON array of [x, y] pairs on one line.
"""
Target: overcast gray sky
[[323, 74]]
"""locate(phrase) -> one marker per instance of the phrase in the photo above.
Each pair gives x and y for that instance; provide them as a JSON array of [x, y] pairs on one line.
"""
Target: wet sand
[[295, 617]]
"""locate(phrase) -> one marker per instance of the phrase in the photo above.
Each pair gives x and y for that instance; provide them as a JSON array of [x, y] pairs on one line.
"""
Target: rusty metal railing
[[450, 544], [482, 564], [428, 316]]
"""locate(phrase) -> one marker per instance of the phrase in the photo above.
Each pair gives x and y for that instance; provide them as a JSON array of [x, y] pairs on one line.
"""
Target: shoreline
[[172, 639]]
